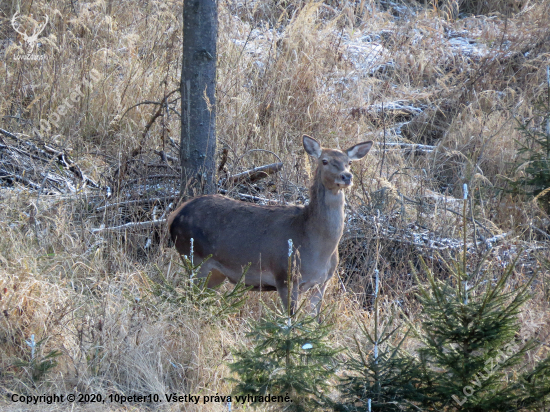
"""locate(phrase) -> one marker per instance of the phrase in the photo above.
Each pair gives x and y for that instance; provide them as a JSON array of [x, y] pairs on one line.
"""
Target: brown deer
[[237, 233]]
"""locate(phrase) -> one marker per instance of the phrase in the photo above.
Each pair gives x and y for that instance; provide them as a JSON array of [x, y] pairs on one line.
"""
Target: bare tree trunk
[[198, 99]]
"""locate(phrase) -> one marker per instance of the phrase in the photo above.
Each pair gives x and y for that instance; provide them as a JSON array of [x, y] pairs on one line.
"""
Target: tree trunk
[[198, 99]]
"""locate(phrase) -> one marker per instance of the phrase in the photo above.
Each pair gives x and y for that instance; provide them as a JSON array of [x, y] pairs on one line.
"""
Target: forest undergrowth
[[444, 90]]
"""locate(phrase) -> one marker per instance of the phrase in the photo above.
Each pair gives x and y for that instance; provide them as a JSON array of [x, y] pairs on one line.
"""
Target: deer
[[236, 234]]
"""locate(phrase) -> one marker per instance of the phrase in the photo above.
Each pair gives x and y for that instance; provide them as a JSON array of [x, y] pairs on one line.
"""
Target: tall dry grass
[[285, 68]]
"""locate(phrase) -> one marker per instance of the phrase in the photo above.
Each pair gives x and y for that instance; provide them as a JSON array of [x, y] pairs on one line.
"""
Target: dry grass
[[285, 68]]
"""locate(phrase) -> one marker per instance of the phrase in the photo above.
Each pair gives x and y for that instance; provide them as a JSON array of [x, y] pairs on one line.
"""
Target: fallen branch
[[64, 160], [422, 240], [131, 225], [452, 211], [23, 153], [8, 134], [20, 161], [253, 175], [394, 109], [136, 202], [4, 174], [421, 148], [147, 177], [249, 197], [495, 239], [443, 243]]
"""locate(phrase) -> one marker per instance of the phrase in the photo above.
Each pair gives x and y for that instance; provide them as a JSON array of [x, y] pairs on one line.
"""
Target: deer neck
[[325, 212]]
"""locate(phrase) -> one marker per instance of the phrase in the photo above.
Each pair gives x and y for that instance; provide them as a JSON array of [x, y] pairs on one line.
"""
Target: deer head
[[334, 165]]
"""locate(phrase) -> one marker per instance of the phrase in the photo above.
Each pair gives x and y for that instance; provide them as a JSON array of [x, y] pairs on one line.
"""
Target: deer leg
[[316, 299], [216, 276]]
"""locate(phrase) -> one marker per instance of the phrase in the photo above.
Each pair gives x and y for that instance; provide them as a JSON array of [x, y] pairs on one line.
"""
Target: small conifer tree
[[381, 380], [468, 331], [379, 376], [535, 384], [290, 357], [471, 360]]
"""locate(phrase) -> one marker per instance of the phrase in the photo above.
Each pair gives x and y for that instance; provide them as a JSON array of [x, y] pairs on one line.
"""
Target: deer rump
[[237, 234]]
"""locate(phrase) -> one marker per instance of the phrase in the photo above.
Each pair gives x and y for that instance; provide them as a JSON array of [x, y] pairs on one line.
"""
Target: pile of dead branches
[[39, 166]]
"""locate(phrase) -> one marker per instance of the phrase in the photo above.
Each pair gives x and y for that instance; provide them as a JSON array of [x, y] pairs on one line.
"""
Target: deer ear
[[359, 150], [312, 146]]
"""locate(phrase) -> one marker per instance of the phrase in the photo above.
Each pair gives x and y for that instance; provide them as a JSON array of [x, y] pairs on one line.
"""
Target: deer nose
[[346, 177]]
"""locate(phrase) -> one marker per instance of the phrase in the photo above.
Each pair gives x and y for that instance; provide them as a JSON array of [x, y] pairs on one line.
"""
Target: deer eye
[[325, 161], [349, 163]]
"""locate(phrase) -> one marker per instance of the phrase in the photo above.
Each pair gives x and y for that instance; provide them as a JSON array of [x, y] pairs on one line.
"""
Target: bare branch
[[137, 202], [253, 175], [131, 225]]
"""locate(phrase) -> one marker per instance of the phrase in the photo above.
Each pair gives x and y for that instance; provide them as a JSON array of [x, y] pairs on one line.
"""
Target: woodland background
[[449, 91]]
